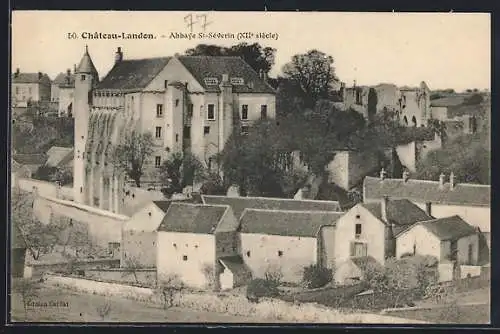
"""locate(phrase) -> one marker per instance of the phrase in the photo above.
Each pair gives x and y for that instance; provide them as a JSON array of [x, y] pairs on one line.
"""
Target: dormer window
[[83, 77], [237, 81], [211, 81]]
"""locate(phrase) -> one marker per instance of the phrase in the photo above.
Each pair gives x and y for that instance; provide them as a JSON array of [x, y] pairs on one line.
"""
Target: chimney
[[383, 174], [428, 208], [74, 68], [118, 55], [17, 72], [40, 75], [383, 208], [68, 72], [441, 181], [225, 78], [452, 181], [406, 175]]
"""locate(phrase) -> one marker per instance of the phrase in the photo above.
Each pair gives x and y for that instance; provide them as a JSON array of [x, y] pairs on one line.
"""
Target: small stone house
[[197, 243], [370, 229], [447, 239], [286, 241]]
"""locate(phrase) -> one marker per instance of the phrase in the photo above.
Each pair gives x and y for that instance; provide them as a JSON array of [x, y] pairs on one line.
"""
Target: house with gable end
[[370, 230]]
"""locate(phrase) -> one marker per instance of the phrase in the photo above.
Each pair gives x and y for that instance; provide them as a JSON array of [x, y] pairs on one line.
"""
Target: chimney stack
[[74, 68], [118, 55], [40, 75], [452, 181], [428, 208], [383, 174], [68, 72], [406, 175], [17, 72], [383, 208], [441, 181]]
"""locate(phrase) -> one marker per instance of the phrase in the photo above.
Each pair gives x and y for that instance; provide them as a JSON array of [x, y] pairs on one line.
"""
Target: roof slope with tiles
[[192, 218], [422, 191], [58, 155], [286, 223], [400, 213], [133, 74], [30, 78], [239, 204], [449, 228], [202, 67], [64, 80]]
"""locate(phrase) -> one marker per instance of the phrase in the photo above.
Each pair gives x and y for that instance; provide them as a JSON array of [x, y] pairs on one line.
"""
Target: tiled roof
[[448, 101], [58, 156], [401, 213], [86, 64], [30, 78], [202, 67], [133, 74], [449, 228], [427, 191], [239, 204], [286, 223], [30, 159], [191, 218]]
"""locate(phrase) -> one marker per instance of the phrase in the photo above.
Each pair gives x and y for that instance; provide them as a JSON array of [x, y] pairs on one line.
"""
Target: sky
[[446, 50]]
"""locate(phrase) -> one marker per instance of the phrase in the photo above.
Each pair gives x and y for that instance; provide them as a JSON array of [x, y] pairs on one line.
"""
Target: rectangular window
[[244, 112], [206, 130], [165, 83], [280, 253], [211, 112], [187, 132], [470, 254], [157, 161], [83, 77], [158, 132], [244, 130], [190, 110], [176, 137], [159, 110], [263, 111], [359, 249], [358, 229], [184, 258], [209, 163]]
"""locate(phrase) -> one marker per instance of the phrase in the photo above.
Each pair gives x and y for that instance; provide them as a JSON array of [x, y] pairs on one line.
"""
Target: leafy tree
[[474, 99], [179, 171], [258, 288], [466, 156], [131, 154], [316, 276], [314, 72], [213, 185], [258, 57]]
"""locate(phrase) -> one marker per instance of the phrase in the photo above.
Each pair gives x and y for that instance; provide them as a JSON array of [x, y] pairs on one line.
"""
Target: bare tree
[[104, 310], [167, 287], [132, 266]]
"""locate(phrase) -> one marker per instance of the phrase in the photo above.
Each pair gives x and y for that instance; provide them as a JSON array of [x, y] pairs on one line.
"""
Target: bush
[[259, 288], [316, 276]]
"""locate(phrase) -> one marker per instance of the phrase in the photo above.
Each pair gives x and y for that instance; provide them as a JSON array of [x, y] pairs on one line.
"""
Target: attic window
[[237, 81], [211, 81], [358, 216], [280, 253], [184, 258]]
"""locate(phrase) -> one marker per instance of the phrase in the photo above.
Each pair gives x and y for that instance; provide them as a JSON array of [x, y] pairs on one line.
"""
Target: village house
[[370, 229], [447, 239], [285, 242], [29, 87], [443, 199], [193, 242], [139, 234], [62, 92], [187, 103], [239, 204]]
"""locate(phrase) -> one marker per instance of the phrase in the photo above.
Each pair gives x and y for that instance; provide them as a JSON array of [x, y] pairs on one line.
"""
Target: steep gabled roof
[[239, 204], [400, 213], [192, 218], [421, 191], [449, 228], [202, 67], [64, 80], [286, 223], [133, 74], [86, 64]]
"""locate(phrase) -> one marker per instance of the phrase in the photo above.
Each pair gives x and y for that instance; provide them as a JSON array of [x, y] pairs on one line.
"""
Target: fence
[[37, 270]]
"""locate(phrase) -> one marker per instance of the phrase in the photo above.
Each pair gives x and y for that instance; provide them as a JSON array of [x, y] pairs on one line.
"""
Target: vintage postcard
[[250, 167]]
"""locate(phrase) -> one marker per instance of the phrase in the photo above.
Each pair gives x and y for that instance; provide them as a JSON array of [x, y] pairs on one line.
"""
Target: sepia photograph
[[250, 167]]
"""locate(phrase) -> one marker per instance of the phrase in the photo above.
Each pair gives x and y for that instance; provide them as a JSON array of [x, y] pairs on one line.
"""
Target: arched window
[[405, 121], [414, 121]]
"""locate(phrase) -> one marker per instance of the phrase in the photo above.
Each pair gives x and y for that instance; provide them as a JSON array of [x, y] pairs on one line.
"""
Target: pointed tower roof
[[86, 64]]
